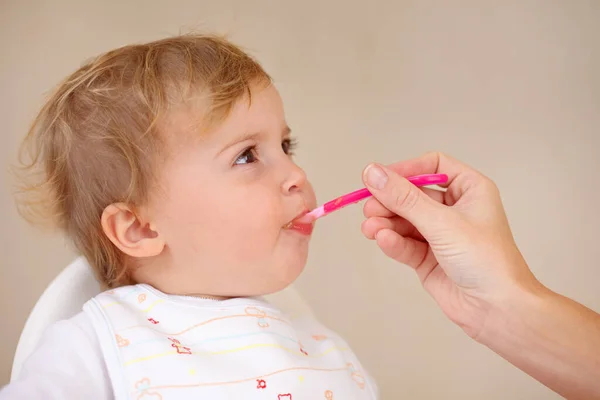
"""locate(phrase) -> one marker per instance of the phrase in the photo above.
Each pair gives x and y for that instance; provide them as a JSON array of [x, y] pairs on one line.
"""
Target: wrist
[[512, 310], [548, 336]]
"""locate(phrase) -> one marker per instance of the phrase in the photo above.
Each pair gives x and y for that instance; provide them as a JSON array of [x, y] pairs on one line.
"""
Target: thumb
[[401, 197]]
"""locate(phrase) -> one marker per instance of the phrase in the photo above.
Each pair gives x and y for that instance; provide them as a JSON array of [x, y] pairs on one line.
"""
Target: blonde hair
[[96, 141]]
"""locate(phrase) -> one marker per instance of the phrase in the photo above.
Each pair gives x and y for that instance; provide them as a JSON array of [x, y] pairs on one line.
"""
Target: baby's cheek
[[259, 229]]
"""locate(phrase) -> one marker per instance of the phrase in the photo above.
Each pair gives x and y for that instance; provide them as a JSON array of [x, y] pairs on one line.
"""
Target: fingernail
[[376, 177]]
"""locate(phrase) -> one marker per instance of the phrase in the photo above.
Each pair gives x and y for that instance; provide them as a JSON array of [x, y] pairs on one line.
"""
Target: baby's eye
[[289, 145], [247, 157]]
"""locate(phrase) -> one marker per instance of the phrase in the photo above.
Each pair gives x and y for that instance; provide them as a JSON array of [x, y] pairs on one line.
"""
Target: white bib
[[160, 347]]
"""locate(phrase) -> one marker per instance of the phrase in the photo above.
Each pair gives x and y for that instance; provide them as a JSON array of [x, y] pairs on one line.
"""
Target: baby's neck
[[158, 273], [206, 296]]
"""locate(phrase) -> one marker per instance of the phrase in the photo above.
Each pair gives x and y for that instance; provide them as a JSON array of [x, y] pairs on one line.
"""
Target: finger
[[373, 208], [405, 250], [434, 194], [436, 163], [403, 198], [371, 226]]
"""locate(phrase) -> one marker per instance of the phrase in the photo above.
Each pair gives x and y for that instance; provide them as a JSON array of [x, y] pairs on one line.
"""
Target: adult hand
[[458, 241], [463, 251]]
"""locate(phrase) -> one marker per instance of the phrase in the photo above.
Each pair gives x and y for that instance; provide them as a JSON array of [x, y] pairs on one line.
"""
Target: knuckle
[[491, 186], [406, 200], [433, 153], [436, 155]]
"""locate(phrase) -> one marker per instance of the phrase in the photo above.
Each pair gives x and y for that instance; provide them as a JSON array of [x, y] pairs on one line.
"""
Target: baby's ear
[[129, 233]]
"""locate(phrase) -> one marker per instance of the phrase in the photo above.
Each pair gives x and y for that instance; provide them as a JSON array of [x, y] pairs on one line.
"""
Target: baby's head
[[170, 163]]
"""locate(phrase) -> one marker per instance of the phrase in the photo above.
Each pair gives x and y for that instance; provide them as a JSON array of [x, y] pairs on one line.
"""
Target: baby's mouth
[[292, 222], [301, 227]]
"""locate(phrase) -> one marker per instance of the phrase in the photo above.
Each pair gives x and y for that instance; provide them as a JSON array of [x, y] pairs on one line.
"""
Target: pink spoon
[[361, 194]]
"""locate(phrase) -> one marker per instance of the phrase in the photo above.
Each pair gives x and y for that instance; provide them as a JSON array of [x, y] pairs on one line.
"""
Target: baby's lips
[[302, 219], [305, 219], [304, 228], [303, 224]]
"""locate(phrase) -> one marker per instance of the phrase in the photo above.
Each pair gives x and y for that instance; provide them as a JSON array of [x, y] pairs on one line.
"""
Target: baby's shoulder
[[70, 332], [70, 353], [310, 324]]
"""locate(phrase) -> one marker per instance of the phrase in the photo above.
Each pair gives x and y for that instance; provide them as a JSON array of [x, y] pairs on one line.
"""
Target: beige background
[[512, 87]]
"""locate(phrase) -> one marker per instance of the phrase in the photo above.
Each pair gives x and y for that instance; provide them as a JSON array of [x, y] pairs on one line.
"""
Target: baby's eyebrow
[[253, 136], [242, 138]]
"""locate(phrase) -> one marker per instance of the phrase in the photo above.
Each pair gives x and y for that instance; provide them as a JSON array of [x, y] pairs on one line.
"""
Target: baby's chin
[[286, 276]]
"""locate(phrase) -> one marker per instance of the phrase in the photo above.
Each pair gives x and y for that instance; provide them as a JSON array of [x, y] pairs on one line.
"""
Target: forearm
[[550, 337]]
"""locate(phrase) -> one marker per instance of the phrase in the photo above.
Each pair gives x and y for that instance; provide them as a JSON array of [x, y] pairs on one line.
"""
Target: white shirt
[[71, 359], [67, 364]]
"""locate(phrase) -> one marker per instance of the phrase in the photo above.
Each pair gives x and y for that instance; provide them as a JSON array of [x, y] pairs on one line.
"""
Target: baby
[[169, 164]]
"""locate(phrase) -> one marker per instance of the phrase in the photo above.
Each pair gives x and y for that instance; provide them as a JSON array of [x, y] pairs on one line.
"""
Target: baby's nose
[[295, 179]]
